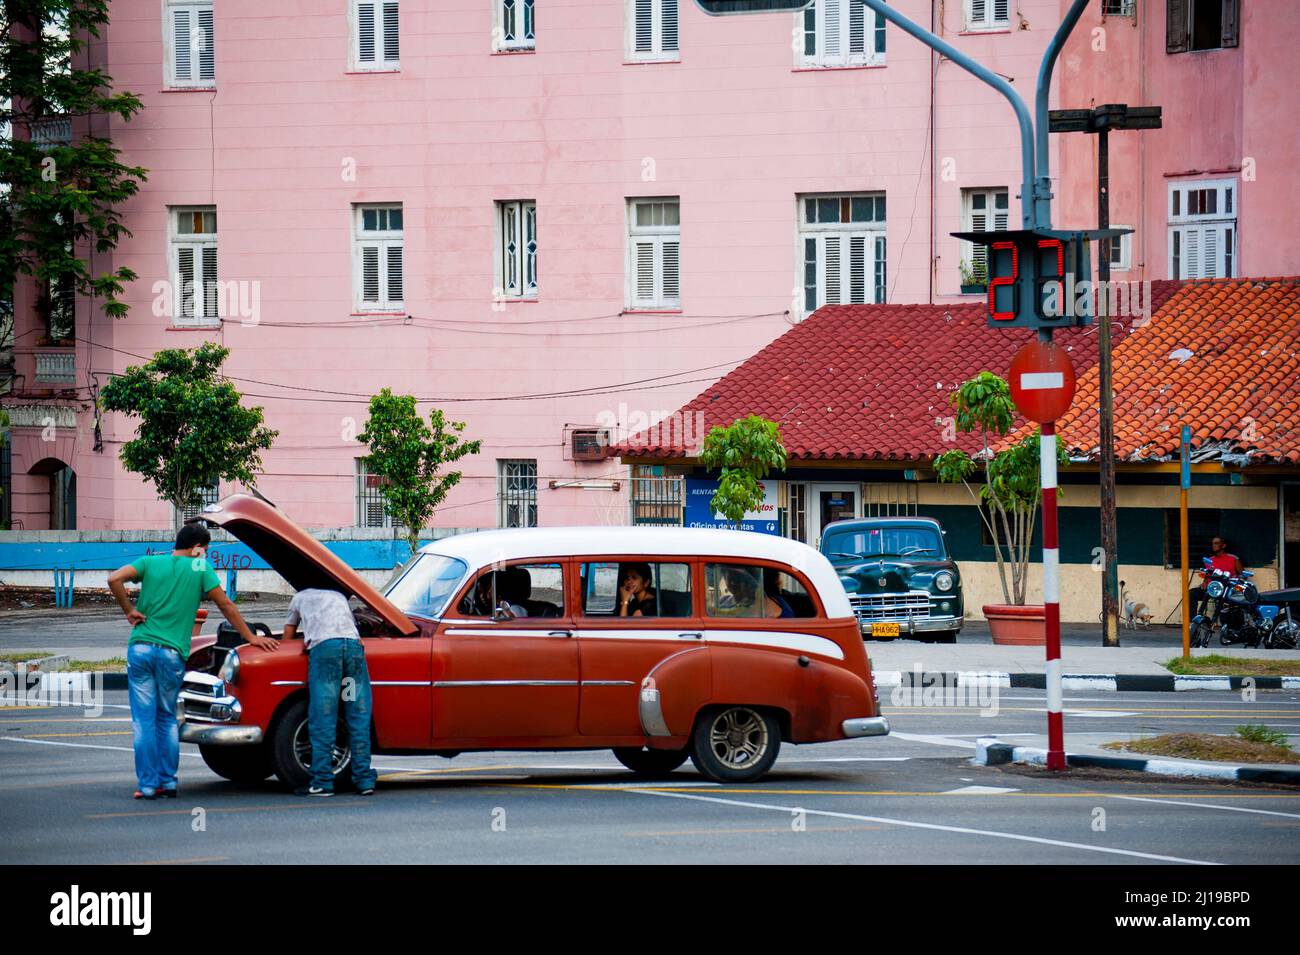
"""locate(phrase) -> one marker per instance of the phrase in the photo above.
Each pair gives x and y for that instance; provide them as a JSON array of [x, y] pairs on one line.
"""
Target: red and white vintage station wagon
[[659, 643]]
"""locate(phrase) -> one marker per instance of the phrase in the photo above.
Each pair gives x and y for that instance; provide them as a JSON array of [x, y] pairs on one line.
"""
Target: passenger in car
[[742, 585], [636, 592], [490, 593], [772, 587]]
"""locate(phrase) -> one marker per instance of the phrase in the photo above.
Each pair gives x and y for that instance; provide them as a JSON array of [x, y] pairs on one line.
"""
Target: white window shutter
[[185, 282], [832, 24], [857, 26], [182, 69], [394, 273], [1192, 253], [832, 247], [370, 274], [644, 26], [644, 293], [365, 33], [977, 12], [391, 43], [209, 280], [671, 271], [207, 57], [668, 25], [1001, 11]]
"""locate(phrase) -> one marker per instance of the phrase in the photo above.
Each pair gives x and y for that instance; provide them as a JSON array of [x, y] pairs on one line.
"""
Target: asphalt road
[[911, 798]]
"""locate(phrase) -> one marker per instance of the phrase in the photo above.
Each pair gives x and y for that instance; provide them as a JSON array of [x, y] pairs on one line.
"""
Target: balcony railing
[[52, 131], [56, 367]]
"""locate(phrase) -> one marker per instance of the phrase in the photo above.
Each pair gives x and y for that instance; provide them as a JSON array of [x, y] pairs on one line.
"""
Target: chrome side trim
[[865, 726], [221, 735], [401, 683], [288, 683], [443, 683], [671, 656], [609, 683], [651, 713]]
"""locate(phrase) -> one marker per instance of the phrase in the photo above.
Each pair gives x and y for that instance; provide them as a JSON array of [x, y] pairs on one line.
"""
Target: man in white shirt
[[336, 668]]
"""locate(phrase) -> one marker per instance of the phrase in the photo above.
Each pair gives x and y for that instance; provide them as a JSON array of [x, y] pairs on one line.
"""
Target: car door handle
[[560, 633], [690, 636]]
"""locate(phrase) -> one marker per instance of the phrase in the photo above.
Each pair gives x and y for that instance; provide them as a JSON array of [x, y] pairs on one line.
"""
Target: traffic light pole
[[1109, 530], [1035, 213]]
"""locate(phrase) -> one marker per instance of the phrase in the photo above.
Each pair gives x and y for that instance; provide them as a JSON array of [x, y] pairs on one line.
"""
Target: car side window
[[748, 590], [524, 590], [636, 588]]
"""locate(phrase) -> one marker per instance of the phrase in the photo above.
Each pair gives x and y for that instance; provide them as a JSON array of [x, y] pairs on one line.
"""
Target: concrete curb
[[991, 752], [1113, 682]]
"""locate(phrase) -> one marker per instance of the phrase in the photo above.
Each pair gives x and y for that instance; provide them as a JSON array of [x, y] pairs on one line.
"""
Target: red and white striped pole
[[1052, 598]]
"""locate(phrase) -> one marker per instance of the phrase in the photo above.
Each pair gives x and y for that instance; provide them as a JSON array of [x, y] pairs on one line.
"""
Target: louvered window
[[188, 40], [196, 293], [654, 253], [842, 248], [370, 502], [1203, 229], [988, 14], [841, 33], [375, 35], [516, 25], [378, 263], [652, 29], [517, 248], [983, 210]]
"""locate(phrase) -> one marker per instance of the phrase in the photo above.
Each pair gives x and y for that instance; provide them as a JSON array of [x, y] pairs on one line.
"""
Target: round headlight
[[1214, 588], [230, 669], [943, 580]]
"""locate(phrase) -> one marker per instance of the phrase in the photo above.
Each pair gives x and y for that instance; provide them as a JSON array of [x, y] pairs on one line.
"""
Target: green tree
[[58, 197], [1010, 490], [408, 454], [193, 429], [746, 451]]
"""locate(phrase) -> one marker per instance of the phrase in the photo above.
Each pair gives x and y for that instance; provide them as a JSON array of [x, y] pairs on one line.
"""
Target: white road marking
[[979, 791], [850, 759], [50, 742], [1206, 805], [909, 824], [1098, 714], [934, 739]]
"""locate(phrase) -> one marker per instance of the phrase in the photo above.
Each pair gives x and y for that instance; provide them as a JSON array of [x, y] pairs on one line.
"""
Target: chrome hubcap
[[738, 738], [339, 758]]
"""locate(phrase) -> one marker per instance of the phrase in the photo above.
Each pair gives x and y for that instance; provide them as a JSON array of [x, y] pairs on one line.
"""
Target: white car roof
[[481, 548]]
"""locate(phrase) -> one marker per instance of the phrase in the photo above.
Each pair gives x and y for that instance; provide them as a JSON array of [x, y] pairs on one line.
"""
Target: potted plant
[[974, 278], [1008, 498]]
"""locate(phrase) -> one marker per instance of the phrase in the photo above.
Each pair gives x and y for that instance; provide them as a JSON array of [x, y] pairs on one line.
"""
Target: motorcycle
[[1240, 614], [1209, 621], [1282, 629]]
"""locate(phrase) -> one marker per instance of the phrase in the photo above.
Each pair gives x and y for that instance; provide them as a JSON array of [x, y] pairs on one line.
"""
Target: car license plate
[[884, 629]]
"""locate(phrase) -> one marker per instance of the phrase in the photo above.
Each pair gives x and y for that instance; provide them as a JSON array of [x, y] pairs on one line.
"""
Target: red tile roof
[[864, 382], [1222, 355]]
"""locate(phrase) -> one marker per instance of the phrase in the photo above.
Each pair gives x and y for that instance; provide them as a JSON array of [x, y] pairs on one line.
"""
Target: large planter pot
[[1016, 626]]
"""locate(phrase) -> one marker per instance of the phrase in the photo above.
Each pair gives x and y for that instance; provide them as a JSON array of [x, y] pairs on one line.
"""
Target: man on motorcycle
[[1220, 559]]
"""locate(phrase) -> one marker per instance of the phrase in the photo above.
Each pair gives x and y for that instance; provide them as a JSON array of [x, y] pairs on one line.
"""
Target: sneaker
[[166, 793], [367, 791], [139, 794], [313, 791]]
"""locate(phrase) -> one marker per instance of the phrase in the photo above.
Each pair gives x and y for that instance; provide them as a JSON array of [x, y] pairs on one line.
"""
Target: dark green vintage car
[[898, 575]]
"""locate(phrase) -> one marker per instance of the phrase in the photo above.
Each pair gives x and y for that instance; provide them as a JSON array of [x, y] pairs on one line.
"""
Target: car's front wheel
[[735, 744], [291, 749], [653, 763], [239, 764]]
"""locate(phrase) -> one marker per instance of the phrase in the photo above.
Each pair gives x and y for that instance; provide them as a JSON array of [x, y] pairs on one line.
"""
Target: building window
[[1203, 525], [515, 27], [517, 493], [517, 248], [208, 494], [375, 35], [377, 261], [1120, 8], [656, 497], [1201, 24], [842, 244], [188, 42], [982, 210], [195, 299], [652, 30], [988, 14], [654, 253], [1202, 229], [841, 33], [1121, 251], [370, 502]]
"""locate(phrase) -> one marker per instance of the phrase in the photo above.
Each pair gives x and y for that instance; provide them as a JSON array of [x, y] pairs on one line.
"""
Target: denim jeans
[[329, 664], [154, 674]]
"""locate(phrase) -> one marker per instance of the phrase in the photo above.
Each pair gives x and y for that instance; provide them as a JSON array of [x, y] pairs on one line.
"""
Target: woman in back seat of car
[[636, 593]]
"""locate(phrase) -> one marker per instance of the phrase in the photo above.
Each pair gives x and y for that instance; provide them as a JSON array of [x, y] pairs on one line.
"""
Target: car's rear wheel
[[653, 763], [735, 744], [291, 749], [239, 764]]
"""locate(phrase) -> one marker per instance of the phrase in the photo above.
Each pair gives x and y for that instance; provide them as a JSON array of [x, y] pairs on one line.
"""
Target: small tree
[[407, 455], [747, 451], [1010, 493], [193, 429], [55, 196]]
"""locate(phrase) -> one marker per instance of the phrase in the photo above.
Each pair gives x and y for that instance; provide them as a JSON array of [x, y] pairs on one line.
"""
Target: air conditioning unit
[[590, 444]]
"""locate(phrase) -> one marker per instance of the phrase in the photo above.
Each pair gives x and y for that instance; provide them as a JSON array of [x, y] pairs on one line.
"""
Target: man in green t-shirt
[[171, 587]]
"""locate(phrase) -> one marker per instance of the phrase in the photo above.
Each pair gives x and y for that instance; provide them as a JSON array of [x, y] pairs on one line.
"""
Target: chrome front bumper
[[209, 714], [865, 726], [207, 734], [910, 625]]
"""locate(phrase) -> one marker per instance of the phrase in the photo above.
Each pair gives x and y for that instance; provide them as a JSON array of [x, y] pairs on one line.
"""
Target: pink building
[[558, 225]]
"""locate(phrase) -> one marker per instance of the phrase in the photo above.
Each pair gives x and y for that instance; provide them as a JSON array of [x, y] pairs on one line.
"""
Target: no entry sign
[[1042, 381]]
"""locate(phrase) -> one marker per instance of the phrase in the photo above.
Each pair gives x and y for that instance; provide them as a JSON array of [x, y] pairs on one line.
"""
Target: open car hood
[[295, 555]]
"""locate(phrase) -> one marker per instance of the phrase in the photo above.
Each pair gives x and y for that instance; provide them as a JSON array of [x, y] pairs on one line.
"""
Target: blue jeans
[[154, 675], [329, 664]]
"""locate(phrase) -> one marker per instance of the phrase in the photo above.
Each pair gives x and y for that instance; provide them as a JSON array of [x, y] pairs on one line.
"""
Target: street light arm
[[1027, 197], [1042, 198]]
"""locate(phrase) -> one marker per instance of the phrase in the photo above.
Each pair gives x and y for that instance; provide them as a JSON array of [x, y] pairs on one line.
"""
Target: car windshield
[[884, 542], [425, 584]]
